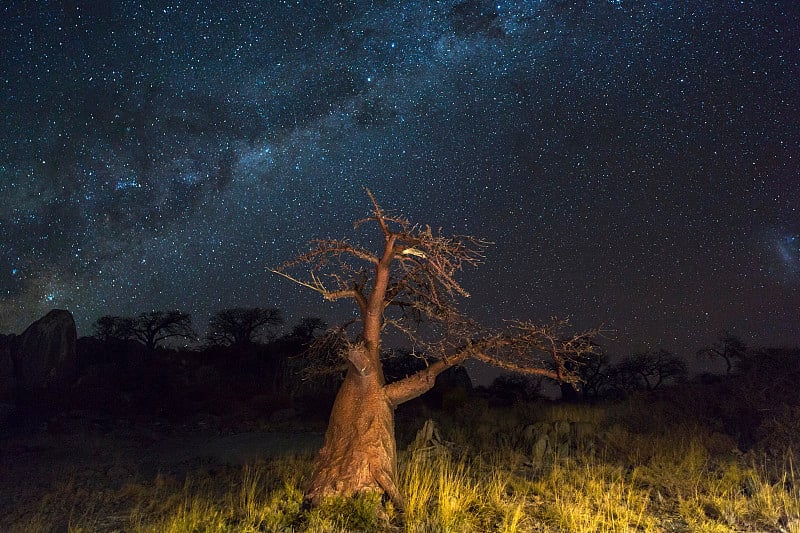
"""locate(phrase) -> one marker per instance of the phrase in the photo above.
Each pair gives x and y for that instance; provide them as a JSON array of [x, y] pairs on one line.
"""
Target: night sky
[[635, 162]]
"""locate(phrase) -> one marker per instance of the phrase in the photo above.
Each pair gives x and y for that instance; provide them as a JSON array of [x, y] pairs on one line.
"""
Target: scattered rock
[[429, 441], [118, 472]]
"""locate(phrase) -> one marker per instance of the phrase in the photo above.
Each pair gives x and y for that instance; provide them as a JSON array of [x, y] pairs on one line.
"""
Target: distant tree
[[515, 388], [625, 379], [729, 348], [243, 326], [597, 376], [109, 328], [410, 279], [307, 328], [650, 370], [594, 377], [154, 327]]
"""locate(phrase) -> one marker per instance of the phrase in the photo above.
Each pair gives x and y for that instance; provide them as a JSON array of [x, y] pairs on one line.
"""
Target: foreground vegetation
[[634, 466]]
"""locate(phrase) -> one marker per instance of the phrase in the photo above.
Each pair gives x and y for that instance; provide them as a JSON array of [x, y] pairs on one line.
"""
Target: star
[[626, 158]]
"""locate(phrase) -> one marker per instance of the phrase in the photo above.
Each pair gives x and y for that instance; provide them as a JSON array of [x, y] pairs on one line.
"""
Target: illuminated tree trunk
[[360, 451], [359, 454]]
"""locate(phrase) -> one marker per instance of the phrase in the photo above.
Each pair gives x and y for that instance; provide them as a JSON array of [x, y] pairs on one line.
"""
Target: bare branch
[[323, 248], [525, 349], [315, 284], [411, 285], [318, 286], [420, 382], [379, 216]]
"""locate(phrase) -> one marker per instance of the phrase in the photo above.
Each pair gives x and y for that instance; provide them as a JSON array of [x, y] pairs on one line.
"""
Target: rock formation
[[44, 355]]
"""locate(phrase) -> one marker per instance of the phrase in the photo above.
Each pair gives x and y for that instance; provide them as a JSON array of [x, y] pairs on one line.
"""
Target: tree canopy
[[242, 326], [150, 328]]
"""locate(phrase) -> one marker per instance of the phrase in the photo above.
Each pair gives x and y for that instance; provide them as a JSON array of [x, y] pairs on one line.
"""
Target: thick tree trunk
[[359, 454]]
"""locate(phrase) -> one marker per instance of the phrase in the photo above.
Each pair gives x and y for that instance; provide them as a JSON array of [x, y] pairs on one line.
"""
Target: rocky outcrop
[[44, 355], [455, 377], [429, 442]]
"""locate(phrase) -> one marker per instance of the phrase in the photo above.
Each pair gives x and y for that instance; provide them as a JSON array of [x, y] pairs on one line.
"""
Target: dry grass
[[684, 479]]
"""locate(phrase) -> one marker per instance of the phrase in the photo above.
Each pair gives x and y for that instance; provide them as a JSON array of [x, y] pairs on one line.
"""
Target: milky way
[[637, 163]]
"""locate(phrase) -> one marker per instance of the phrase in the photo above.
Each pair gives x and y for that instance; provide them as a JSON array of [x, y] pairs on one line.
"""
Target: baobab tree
[[154, 327], [410, 285], [150, 328], [243, 326]]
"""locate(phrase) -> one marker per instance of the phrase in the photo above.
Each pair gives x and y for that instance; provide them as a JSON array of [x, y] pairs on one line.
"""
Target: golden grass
[[684, 479], [593, 497]]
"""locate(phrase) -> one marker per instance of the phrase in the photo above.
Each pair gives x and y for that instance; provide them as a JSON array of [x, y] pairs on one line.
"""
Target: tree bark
[[359, 454]]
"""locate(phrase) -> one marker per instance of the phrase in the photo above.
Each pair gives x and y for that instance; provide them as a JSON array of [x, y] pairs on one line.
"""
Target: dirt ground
[[83, 455]]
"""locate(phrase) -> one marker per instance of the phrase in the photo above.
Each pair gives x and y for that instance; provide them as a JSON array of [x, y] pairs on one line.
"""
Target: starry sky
[[635, 162]]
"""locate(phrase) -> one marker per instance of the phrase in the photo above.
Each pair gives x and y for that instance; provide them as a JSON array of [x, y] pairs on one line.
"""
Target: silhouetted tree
[[154, 327], [651, 370], [591, 372], [110, 328], [410, 278], [597, 376], [307, 328], [515, 388], [729, 348], [243, 326]]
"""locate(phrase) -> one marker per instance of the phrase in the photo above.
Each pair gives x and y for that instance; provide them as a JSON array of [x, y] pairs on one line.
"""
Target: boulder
[[451, 390], [455, 377], [44, 355]]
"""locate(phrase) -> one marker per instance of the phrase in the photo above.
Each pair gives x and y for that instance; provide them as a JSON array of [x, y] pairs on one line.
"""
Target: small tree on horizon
[[150, 328], [306, 329], [651, 370], [154, 327], [729, 348], [597, 376], [110, 328], [409, 282], [242, 326]]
